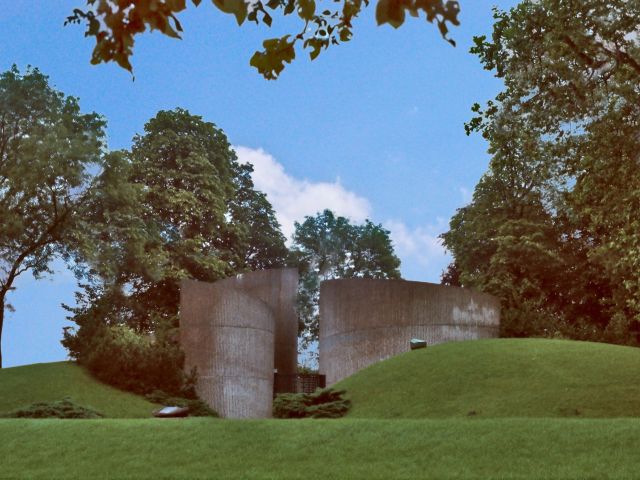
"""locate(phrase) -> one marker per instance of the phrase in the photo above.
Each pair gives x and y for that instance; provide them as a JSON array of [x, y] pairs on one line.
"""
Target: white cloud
[[293, 198], [419, 248]]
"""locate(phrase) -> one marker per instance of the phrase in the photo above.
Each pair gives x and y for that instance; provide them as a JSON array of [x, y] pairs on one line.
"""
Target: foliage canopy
[[47, 147], [65, 408], [551, 228], [178, 205], [114, 24], [326, 247]]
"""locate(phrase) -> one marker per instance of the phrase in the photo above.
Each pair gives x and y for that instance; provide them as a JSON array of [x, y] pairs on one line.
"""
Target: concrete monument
[[239, 330], [363, 321], [236, 332]]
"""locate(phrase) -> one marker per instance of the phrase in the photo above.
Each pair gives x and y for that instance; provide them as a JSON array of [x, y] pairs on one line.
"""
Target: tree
[[327, 247], [508, 242], [178, 205], [508, 220], [114, 24], [46, 148], [263, 244], [571, 107]]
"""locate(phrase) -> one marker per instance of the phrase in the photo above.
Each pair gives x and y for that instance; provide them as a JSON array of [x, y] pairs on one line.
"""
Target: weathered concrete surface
[[278, 289], [235, 332], [363, 321], [228, 336]]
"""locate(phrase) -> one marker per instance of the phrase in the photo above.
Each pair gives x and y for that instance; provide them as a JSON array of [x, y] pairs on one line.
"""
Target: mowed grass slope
[[435, 388], [47, 382], [321, 449], [501, 378]]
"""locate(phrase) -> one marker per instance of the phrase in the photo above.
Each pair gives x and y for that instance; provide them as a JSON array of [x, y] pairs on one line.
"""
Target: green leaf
[[316, 46], [277, 52], [391, 12], [306, 9], [290, 7], [236, 7], [345, 34]]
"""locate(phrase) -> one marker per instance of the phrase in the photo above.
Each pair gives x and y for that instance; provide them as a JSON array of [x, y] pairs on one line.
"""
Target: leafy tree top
[[46, 149], [551, 229], [178, 205], [563, 64], [326, 246], [115, 23]]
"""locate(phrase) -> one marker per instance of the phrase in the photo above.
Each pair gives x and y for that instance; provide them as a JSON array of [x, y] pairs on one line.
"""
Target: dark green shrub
[[323, 403], [290, 405], [61, 409], [197, 408], [119, 356]]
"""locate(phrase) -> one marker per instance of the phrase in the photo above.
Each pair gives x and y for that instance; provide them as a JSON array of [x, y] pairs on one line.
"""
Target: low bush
[[323, 403], [61, 409], [197, 408], [121, 357]]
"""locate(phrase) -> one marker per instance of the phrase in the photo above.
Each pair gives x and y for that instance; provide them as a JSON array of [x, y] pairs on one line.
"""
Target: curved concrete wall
[[363, 321], [235, 332], [229, 337], [278, 289]]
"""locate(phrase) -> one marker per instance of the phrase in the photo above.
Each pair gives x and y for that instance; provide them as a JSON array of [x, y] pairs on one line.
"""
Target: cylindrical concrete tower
[[229, 336], [363, 321], [277, 288], [236, 332]]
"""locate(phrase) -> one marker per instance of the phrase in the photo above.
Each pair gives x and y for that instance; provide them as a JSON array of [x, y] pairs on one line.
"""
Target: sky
[[373, 128]]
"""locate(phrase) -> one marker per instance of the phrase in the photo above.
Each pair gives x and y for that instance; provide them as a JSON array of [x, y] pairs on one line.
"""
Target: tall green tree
[[46, 149], [115, 24], [262, 244], [178, 205], [327, 247], [571, 105], [511, 242]]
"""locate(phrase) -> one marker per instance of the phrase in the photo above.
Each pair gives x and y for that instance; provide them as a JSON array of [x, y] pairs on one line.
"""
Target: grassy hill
[[434, 389], [46, 382], [501, 378], [489, 379]]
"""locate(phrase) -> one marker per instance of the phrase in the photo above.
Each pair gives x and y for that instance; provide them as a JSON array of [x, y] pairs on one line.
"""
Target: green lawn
[[485, 409], [501, 378], [326, 449], [47, 382]]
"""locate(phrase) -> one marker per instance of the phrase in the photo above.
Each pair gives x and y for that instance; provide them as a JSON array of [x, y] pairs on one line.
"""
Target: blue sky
[[372, 128]]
